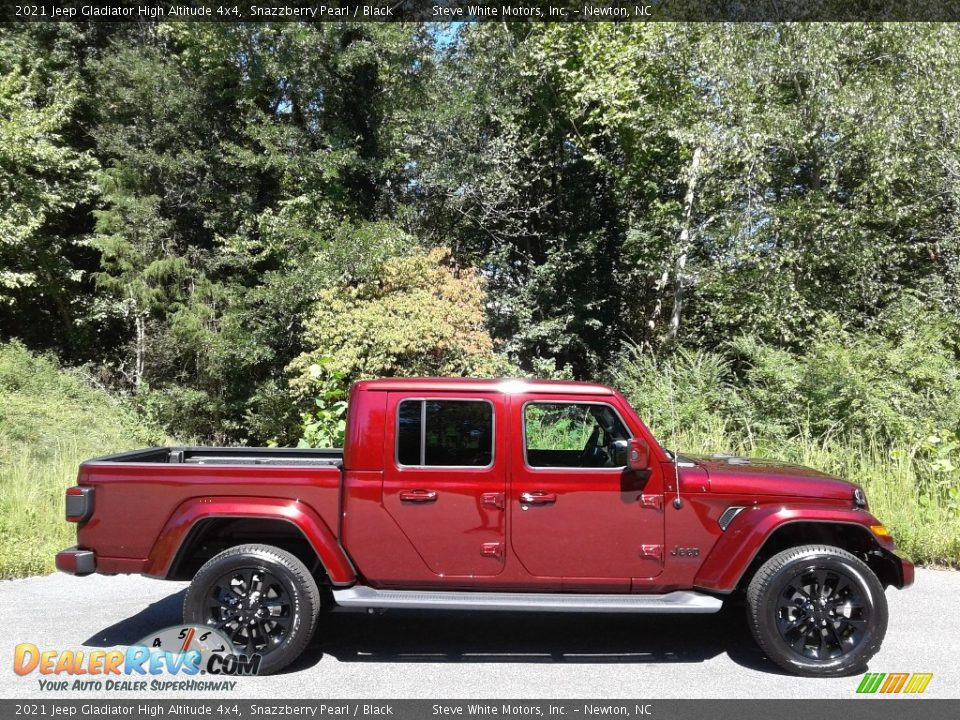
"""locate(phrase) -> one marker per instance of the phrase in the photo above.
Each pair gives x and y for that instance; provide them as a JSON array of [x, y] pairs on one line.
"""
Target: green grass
[[50, 420], [922, 513]]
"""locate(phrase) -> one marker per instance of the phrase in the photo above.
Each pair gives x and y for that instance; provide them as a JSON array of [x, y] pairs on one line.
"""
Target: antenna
[[677, 502]]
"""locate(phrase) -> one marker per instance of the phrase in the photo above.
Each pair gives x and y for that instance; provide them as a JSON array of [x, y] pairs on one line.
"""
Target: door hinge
[[492, 549], [652, 501], [492, 500], [652, 551]]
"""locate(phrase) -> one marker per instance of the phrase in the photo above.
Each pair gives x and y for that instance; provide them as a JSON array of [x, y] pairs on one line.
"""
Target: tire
[[817, 610], [277, 623]]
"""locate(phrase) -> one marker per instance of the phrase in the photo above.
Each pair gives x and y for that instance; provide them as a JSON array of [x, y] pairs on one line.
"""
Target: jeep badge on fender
[[496, 495]]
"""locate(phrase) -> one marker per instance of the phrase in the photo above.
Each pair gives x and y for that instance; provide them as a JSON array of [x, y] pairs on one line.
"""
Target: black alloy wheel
[[263, 598], [823, 613], [252, 608], [817, 610]]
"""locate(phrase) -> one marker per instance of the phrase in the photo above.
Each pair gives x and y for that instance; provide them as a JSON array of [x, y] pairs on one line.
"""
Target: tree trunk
[[141, 330], [684, 245], [657, 290]]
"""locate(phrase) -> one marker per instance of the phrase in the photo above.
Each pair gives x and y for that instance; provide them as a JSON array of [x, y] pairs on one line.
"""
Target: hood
[[731, 475]]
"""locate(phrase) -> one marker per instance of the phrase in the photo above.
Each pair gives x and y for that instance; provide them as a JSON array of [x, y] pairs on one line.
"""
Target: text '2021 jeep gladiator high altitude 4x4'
[[492, 495]]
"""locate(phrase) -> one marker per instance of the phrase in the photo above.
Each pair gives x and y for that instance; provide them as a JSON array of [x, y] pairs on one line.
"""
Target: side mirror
[[638, 454]]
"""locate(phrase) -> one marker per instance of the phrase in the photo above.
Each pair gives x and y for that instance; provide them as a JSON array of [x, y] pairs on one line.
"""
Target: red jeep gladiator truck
[[492, 495]]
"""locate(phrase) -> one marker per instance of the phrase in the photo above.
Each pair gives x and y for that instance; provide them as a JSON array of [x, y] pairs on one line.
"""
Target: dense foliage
[[752, 228]]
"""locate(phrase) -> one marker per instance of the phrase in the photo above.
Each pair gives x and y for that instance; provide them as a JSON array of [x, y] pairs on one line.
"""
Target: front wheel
[[261, 597], [817, 610]]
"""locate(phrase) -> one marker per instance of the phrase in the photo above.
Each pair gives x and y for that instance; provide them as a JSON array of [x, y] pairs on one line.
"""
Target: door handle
[[418, 496], [537, 497], [652, 501]]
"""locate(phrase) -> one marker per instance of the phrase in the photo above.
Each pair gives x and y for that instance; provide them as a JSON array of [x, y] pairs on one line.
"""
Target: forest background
[[209, 230]]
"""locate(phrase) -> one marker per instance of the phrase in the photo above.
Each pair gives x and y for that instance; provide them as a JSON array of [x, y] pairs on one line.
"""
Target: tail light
[[79, 503]]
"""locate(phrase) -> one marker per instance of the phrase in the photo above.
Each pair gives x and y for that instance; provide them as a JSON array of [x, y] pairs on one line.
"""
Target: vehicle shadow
[[498, 637], [156, 616], [420, 636]]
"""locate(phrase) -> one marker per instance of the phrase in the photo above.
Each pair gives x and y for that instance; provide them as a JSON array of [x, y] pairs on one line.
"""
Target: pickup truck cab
[[492, 495]]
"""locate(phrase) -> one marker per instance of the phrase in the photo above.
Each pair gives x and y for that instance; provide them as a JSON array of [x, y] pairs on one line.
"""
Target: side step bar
[[680, 601]]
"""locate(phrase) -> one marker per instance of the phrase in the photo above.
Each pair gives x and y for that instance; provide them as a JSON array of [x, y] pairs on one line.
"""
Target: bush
[[688, 391], [898, 382], [325, 423], [419, 316], [880, 407]]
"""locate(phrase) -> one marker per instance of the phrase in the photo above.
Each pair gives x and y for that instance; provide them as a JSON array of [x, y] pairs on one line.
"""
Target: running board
[[680, 601]]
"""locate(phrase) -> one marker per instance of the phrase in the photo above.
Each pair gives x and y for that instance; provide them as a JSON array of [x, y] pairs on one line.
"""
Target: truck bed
[[228, 456], [145, 500]]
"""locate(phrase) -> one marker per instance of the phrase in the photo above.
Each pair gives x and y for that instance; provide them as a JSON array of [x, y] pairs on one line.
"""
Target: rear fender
[[746, 535], [305, 519]]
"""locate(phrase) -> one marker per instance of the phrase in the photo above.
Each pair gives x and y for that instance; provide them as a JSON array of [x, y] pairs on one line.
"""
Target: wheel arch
[[759, 534], [852, 537], [202, 527]]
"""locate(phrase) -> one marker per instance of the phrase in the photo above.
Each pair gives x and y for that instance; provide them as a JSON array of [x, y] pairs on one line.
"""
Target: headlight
[[859, 498]]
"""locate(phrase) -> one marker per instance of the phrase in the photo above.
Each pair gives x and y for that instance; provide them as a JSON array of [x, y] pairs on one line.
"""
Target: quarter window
[[574, 435], [451, 433]]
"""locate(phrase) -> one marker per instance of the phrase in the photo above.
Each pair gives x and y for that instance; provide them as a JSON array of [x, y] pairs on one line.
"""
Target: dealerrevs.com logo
[[171, 659], [893, 683]]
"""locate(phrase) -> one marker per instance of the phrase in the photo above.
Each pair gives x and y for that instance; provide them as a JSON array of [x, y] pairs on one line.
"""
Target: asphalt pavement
[[419, 654]]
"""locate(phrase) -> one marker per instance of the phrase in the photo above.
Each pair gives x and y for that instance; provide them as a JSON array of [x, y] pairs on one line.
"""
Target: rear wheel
[[817, 610], [261, 597]]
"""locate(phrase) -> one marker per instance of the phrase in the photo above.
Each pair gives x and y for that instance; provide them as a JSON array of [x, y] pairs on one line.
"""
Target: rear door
[[445, 481], [576, 511]]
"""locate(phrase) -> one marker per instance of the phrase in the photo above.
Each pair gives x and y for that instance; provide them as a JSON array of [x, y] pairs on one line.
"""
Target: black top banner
[[449, 11], [230, 708]]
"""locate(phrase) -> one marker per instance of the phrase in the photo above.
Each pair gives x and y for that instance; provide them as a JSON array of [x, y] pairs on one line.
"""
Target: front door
[[576, 511], [444, 480]]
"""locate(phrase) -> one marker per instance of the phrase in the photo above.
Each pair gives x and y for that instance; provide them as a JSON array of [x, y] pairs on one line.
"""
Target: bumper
[[906, 572], [76, 561], [894, 569]]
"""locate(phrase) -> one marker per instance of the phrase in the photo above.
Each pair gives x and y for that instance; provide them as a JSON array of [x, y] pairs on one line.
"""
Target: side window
[[409, 430], [445, 433], [574, 435]]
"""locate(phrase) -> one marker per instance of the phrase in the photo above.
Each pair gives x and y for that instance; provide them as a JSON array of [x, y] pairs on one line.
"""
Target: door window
[[574, 435], [445, 433]]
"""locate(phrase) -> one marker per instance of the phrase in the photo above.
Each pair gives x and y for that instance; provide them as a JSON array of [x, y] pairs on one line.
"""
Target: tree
[[823, 183], [44, 180], [241, 161], [418, 315], [500, 178], [421, 315]]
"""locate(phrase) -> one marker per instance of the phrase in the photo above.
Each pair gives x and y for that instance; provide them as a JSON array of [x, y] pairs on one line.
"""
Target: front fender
[[303, 517], [739, 545]]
